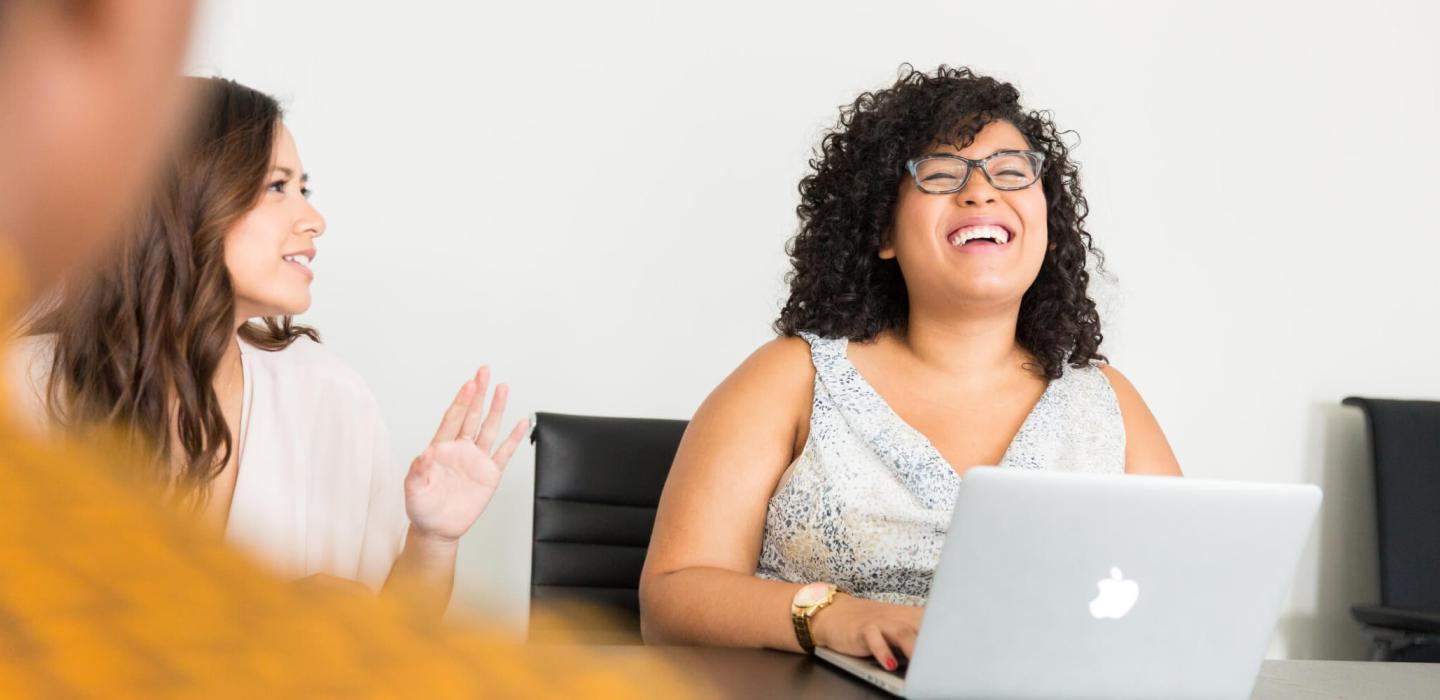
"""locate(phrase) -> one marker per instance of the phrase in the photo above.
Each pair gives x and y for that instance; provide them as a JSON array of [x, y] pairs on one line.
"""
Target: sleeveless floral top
[[867, 504]]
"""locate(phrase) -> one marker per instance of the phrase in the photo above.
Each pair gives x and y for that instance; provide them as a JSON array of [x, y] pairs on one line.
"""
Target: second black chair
[[597, 484], [1405, 444]]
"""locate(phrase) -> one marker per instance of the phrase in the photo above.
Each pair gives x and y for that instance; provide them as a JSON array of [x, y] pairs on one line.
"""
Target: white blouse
[[317, 490]]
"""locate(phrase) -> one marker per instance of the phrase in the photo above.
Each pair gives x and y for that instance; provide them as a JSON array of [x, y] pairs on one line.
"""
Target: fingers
[[455, 415], [905, 640], [883, 641], [912, 631], [470, 429], [507, 448], [491, 426], [879, 648], [467, 419]]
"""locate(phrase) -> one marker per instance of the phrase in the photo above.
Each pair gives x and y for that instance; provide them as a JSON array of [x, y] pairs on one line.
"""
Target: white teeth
[[998, 234], [298, 259]]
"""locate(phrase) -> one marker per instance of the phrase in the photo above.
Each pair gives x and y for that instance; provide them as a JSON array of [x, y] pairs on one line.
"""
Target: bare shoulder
[[712, 511], [1146, 449], [1124, 390], [781, 364], [767, 399], [776, 382]]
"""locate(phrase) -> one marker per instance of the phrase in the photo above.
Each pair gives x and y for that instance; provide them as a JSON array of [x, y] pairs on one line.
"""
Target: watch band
[[808, 601], [802, 632]]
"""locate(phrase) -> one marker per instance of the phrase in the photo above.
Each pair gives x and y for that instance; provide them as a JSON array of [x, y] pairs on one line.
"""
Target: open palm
[[452, 481]]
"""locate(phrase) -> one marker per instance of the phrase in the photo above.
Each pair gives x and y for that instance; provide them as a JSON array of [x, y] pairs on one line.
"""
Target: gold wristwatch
[[809, 600]]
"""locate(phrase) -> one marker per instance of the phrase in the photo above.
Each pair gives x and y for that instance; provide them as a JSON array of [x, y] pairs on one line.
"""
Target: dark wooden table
[[755, 673]]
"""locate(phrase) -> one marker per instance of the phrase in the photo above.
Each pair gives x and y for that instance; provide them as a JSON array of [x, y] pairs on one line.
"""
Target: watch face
[[811, 594]]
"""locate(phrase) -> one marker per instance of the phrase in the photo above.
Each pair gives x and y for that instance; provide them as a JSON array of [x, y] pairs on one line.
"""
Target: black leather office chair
[[1405, 442], [597, 484]]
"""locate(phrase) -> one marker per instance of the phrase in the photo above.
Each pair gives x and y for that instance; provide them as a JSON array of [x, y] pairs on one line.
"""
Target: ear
[[887, 251]]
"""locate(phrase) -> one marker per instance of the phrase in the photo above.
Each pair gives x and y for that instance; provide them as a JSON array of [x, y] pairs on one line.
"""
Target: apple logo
[[1117, 595]]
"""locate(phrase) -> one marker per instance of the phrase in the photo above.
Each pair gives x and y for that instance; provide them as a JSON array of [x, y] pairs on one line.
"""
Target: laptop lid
[[1071, 585]]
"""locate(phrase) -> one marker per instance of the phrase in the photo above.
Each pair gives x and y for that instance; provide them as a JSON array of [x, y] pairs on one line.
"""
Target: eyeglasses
[[943, 173]]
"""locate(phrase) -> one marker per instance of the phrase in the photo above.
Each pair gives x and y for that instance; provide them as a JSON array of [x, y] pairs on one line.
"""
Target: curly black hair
[[839, 286]]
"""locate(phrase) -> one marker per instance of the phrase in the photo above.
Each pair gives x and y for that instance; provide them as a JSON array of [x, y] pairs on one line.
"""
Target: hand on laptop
[[860, 627]]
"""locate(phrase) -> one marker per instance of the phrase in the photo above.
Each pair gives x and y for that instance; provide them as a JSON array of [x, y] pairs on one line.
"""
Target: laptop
[[1074, 586]]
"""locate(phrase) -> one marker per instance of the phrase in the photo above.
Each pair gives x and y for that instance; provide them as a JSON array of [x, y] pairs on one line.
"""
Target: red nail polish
[[890, 664]]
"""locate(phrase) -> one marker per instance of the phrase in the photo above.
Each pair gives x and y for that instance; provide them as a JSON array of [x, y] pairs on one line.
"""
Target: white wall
[[1260, 179]]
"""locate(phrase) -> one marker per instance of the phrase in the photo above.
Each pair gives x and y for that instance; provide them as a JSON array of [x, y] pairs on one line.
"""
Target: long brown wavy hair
[[139, 341]]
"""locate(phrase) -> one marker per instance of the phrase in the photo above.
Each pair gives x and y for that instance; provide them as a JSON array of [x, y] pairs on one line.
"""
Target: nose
[[310, 223], [977, 190]]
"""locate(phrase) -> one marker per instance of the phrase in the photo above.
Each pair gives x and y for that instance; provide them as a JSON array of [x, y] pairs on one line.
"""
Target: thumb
[[420, 467]]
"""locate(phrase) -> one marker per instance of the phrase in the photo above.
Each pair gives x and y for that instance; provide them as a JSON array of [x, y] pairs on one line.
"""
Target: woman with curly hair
[[938, 319]]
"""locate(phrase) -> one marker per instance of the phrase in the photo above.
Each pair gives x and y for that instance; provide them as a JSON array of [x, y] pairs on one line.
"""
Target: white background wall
[[1261, 178]]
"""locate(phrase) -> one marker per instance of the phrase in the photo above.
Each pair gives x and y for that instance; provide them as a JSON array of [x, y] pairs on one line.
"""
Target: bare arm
[[698, 585], [446, 490], [1146, 449], [424, 574]]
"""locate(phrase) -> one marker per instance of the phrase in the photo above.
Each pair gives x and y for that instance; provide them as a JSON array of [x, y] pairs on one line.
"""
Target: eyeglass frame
[[913, 165]]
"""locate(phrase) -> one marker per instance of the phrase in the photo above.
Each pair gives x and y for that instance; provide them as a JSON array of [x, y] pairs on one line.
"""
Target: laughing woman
[[184, 342], [938, 319]]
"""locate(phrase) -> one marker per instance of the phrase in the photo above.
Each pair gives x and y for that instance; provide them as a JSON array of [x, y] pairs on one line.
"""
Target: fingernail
[[890, 664]]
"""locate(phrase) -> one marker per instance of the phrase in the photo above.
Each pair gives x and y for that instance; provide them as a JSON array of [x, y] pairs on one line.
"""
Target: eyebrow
[[1003, 149], [304, 177]]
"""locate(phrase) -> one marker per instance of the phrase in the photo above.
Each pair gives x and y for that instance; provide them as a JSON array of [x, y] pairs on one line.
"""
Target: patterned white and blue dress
[[867, 503]]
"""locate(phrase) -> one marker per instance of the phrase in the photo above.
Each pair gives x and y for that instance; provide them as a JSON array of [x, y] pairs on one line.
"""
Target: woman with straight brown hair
[[183, 341]]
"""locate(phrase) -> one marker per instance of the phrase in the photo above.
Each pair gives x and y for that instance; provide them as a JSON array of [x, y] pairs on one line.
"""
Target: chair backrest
[[1405, 443], [597, 484]]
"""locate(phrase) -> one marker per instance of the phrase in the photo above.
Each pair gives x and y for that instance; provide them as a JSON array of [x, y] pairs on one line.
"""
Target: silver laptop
[[1073, 586]]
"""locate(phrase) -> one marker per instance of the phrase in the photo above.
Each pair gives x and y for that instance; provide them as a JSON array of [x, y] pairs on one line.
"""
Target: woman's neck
[[976, 344], [230, 361], [229, 377]]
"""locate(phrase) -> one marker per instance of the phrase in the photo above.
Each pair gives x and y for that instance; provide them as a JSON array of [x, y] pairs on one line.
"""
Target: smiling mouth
[[986, 235], [301, 260]]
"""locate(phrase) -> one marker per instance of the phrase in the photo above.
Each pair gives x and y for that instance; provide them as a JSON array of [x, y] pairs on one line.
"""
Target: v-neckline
[[904, 426]]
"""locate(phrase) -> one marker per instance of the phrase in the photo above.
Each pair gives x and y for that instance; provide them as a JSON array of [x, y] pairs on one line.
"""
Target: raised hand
[[452, 481]]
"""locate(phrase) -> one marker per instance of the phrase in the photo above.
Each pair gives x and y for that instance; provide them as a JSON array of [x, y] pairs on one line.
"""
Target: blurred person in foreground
[[102, 591]]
